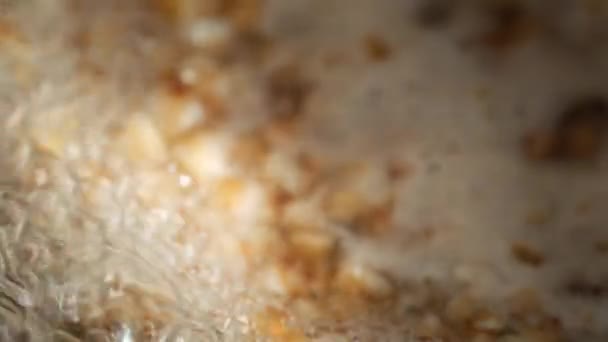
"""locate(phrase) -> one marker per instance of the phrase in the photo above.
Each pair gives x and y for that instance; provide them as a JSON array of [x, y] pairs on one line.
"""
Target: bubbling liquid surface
[[290, 171]]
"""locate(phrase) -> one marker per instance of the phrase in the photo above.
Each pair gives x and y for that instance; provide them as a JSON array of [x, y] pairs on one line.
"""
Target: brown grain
[[377, 48], [527, 255]]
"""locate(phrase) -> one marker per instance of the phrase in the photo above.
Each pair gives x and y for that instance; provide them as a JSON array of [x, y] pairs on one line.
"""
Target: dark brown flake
[[527, 255], [578, 133], [377, 48], [581, 287], [287, 91]]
